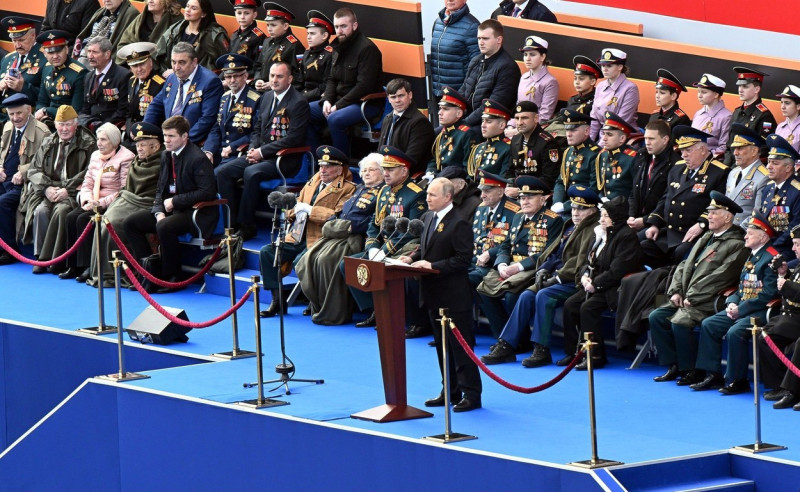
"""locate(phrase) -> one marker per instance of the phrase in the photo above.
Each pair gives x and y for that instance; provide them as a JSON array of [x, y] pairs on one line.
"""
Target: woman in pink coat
[[105, 176]]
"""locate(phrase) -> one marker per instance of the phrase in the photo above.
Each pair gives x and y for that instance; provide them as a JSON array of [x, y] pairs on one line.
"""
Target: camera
[[13, 72], [776, 263]]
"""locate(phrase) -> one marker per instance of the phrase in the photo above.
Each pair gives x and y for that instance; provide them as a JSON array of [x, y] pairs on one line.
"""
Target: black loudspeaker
[[152, 327]]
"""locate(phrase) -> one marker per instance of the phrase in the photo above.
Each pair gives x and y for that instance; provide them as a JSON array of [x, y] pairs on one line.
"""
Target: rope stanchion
[[759, 446], [161, 283], [58, 259], [235, 352], [102, 328], [780, 355], [175, 319], [503, 382]]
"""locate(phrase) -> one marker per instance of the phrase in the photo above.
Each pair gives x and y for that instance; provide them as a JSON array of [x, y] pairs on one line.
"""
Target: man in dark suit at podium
[[446, 246]]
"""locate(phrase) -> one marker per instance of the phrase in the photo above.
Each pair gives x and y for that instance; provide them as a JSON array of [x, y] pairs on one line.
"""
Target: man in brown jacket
[[320, 199]]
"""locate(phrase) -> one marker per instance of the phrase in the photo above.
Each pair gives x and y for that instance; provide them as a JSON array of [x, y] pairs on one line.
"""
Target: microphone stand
[[286, 368]]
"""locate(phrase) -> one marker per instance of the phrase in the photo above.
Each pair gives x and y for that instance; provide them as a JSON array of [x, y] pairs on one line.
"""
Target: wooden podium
[[387, 284]]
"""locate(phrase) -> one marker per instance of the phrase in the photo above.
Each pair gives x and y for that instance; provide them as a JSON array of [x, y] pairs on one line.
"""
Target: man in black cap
[[281, 45], [238, 111], [746, 181], [780, 202], [668, 90], [21, 70], [533, 230], [316, 64], [534, 152], [493, 154], [21, 138], [145, 83], [405, 128], [713, 264], [62, 77], [248, 38], [455, 140], [612, 173], [752, 113], [105, 97], [578, 159], [281, 123], [652, 164]]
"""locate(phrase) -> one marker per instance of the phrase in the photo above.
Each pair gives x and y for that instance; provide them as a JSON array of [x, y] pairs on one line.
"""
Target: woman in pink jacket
[[105, 176]]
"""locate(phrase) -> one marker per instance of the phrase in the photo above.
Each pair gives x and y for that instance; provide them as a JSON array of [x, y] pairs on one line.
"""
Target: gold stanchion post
[[259, 402], [448, 436], [594, 462], [122, 375], [101, 328], [236, 352], [757, 446]]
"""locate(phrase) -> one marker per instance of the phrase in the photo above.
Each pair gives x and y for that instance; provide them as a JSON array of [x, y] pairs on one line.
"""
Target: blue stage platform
[[181, 429]]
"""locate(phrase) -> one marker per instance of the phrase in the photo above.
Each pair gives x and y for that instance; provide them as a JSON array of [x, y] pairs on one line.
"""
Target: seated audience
[[780, 202], [713, 118], [455, 140], [21, 70], [248, 38], [145, 84], [578, 160], [534, 151], [748, 177], [199, 29], [109, 21], [151, 24], [537, 85], [70, 16], [651, 168], [613, 171], [668, 90], [405, 128], [789, 128], [493, 154], [316, 64], [280, 46], [62, 78], [105, 176], [752, 113], [616, 93], [105, 98]]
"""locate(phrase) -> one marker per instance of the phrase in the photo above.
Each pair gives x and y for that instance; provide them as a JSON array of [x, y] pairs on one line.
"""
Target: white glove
[[428, 176], [604, 199], [557, 207], [302, 207]]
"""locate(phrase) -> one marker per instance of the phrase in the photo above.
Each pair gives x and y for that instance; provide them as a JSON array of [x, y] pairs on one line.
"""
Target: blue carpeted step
[[219, 284], [727, 484], [711, 472]]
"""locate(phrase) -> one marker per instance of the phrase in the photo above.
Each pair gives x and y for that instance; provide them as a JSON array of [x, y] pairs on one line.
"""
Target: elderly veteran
[[22, 136], [105, 177], [137, 194], [21, 70], [780, 200], [145, 83], [62, 77], [747, 179], [327, 293], [56, 173], [713, 264], [557, 273], [490, 225], [320, 200], [757, 286]]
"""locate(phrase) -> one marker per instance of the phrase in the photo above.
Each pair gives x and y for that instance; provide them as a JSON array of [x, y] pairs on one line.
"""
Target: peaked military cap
[[612, 56], [582, 196], [53, 39], [721, 202], [233, 62], [686, 136], [489, 180], [136, 53], [743, 136], [711, 82], [759, 221], [615, 122], [531, 185], [493, 109], [586, 66], [451, 97], [573, 119], [318, 19], [748, 75], [245, 4], [328, 154], [393, 157], [17, 26], [779, 148], [277, 12], [535, 43], [667, 80], [791, 92], [144, 130]]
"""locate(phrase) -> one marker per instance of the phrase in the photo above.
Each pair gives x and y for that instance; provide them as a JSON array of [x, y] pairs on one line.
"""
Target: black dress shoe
[[596, 364], [417, 331], [55, 269], [38, 270], [736, 387], [774, 394], [691, 377], [307, 311], [272, 310], [711, 381], [432, 343], [465, 405], [84, 276], [788, 400], [7, 259], [671, 375], [439, 400], [370, 321], [71, 272], [163, 290], [564, 361]]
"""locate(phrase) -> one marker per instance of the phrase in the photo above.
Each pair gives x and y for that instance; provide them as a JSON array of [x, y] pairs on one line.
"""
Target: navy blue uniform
[[782, 208], [235, 123]]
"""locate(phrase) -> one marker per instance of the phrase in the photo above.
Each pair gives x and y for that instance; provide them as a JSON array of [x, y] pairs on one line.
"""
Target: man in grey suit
[[747, 179]]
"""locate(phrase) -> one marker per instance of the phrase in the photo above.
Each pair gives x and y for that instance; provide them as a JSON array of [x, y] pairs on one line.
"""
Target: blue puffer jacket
[[452, 47]]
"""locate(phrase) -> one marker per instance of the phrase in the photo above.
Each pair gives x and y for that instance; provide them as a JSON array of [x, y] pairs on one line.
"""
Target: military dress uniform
[[581, 103], [673, 116], [576, 169], [539, 156], [248, 42], [754, 116], [757, 286], [140, 95], [584, 66], [781, 206], [285, 48], [452, 147], [315, 67], [613, 172], [492, 155], [108, 101], [360, 208], [490, 229], [31, 71], [234, 123]]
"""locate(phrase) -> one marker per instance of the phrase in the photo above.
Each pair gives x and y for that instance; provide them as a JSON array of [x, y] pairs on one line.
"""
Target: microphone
[[289, 201], [274, 199], [388, 225], [401, 227], [415, 227]]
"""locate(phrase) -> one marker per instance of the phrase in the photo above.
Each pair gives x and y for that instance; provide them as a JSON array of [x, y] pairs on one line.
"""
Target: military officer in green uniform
[[455, 140], [316, 64], [280, 46], [578, 159], [21, 70], [752, 113], [145, 83], [534, 151], [494, 153], [247, 40], [399, 197], [613, 171], [62, 77], [533, 229], [491, 224]]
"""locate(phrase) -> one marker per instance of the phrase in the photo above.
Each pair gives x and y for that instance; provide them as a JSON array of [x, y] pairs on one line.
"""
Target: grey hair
[[184, 47], [447, 186], [373, 157], [111, 132], [102, 42]]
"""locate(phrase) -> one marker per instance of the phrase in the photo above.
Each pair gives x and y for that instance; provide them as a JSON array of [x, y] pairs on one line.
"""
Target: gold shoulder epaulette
[[253, 95], [158, 79], [76, 67], [762, 169], [550, 213], [514, 207], [718, 164], [413, 187], [796, 184]]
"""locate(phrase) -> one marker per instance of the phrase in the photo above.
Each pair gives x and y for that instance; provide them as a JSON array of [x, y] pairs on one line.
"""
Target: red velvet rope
[[47, 263], [174, 319], [503, 382], [161, 283], [779, 353]]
